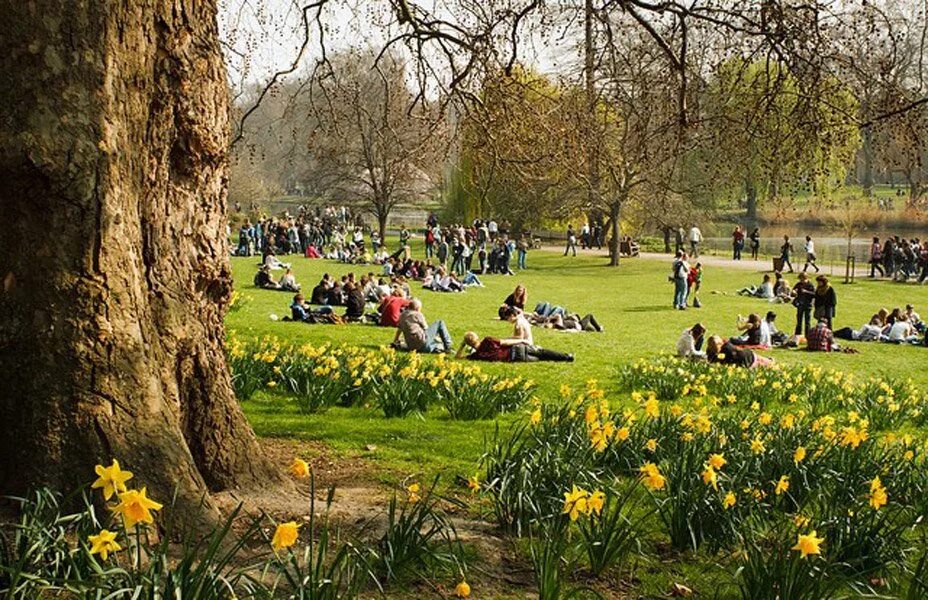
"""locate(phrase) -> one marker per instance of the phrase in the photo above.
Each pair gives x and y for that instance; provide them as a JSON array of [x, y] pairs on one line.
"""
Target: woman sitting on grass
[[764, 290], [726, 353], [690, 343], [288, 282], [506, 350], [516, 299]]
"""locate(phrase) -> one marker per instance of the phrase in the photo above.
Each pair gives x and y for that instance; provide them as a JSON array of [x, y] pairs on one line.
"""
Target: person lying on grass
[[506, 350], [726, 353]]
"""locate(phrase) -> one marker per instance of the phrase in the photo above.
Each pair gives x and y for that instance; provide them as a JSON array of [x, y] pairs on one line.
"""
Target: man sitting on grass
[[820, 338], [507, 350], [418, 335]]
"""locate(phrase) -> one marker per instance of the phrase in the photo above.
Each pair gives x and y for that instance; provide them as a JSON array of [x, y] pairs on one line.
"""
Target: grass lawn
[[632, 302]]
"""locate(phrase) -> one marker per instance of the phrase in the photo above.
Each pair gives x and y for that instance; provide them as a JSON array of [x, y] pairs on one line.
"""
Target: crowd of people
[[899, 259]]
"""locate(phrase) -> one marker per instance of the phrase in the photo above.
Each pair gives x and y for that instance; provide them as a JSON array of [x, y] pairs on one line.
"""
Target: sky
[[261, 37]]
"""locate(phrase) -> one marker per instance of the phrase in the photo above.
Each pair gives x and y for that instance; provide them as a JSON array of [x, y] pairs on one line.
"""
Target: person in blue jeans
[[679, 275], [418, 335]]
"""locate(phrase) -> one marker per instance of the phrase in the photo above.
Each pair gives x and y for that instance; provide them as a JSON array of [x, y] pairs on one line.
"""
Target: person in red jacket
[[506, 350], [391, 306]]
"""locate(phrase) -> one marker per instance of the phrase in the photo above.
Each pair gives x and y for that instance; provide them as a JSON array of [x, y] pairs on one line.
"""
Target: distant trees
[[765, 134]]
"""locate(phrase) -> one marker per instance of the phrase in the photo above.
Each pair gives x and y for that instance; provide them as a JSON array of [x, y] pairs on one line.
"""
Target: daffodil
[[299, 468], [782, 485], [285, 535], [535, 418], [111, 479], [103, 543], [878, 495], [462, 590], [135, 507], [595, 502], [412, 493], [717, 461], [808, 544], [652, 477], [799, 455], [473, 484], [729, 500], [575, 503], [710, 477], [651, 445]]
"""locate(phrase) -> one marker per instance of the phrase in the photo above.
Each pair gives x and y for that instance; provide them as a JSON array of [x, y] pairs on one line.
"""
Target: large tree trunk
[[113, 154]]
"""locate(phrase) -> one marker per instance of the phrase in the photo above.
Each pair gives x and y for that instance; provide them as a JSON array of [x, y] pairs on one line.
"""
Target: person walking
[[786, 250], [810, 255], [737, 242], [680, 277], [803, 297], [876, 257], [695, 240], [571, 241], [755, 243]]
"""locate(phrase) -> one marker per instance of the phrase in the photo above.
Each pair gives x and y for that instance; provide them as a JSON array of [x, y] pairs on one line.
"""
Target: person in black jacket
[[826, 301], [726, 353], [354, 302], [803, 297]]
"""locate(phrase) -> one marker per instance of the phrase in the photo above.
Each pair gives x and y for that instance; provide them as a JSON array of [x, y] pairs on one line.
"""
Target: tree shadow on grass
[[652, 308]]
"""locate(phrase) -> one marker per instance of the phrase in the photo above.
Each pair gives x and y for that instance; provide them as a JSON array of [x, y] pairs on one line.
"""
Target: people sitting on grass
[[288, 282], [417, 335], [264, 280], [756, 332], [900, 332], [522, 329], [516, 299], [302, 312], [764, 290], [820, 338], [689, 345], [507, 350], [391, 307], [777, 337], [726, 353], [271, 261], [782, 292], [354, 302]]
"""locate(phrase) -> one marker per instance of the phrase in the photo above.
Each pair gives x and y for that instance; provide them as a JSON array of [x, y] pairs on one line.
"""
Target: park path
[[764, 265]]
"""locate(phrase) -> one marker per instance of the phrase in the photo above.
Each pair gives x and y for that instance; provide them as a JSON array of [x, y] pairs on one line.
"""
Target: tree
[[114, 258], [373, 141], [766, 134]]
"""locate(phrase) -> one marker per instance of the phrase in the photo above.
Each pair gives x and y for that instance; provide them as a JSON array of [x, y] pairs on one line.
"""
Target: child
[[694, 279]]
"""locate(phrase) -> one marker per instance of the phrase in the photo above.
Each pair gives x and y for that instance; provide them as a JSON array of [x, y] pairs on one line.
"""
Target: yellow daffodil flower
[[111, 479]]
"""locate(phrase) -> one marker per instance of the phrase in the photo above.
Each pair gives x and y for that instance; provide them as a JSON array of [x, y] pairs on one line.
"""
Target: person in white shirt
[[690, 343], [900, 331], [695, 240], [522, 328], [492, 229], [810, 255]]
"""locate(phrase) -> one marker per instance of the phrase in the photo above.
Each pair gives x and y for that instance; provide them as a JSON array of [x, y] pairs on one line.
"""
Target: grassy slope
[[632, 302]]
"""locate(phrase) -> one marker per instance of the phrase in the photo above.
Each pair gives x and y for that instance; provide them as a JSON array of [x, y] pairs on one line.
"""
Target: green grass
[[632, 302]]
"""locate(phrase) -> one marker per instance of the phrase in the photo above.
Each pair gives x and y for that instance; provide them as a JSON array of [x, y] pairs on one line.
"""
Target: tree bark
[[382, 224], [114, 254], [615, 212], [750, 191]]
